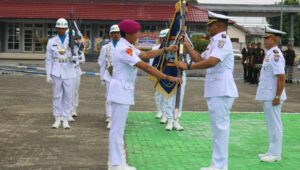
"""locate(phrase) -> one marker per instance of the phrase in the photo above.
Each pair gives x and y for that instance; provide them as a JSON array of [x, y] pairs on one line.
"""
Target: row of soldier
[[120, 59], [252, 59]]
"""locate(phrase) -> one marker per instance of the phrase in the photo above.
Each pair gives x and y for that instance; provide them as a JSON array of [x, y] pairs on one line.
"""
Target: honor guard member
[[289, 56], [126, 60], [170, 103], [158, 96], [220, 90], [271, 91], [106, 66], [60, 73], [77, 62]]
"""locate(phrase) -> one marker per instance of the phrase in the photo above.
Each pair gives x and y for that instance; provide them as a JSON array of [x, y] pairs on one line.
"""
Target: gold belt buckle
[[62, 51]]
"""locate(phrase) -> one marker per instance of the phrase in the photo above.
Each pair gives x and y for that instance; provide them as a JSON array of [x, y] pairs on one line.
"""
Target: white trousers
[[169, 104], [62, 96], [273, 118], [116, 133], [159, 100], [76, 90], [107, 102], [219, 110]]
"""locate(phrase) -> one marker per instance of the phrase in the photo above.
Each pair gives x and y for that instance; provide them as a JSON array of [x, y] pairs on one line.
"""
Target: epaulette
[[224, 36]]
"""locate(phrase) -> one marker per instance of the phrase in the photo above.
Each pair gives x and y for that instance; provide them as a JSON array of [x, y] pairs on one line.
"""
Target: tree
[[286, 24]]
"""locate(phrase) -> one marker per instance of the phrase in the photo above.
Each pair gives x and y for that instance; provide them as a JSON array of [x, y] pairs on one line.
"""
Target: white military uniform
[[273, 65], [77, 82], [61, 69], [220, 91], [105, 61], [121, 94]]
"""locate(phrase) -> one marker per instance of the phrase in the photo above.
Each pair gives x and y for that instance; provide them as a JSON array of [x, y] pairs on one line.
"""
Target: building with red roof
[[25, 25]]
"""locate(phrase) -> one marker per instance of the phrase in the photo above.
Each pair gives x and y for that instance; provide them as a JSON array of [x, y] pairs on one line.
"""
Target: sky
[[239, 1]]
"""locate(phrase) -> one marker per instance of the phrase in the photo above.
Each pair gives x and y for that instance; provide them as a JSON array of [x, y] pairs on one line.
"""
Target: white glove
[[76, 57], [49, 79], [76, 64], [102, 81]]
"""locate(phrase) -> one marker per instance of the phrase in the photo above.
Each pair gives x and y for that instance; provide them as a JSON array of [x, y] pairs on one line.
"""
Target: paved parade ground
[[28, 142]]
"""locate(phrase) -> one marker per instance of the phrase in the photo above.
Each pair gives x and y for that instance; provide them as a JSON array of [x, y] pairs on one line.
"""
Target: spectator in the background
[[289, 56], [251, 63], [258, 58], [245, 61]]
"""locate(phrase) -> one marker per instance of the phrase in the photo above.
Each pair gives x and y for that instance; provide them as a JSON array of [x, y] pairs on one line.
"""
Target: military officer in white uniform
[[105, 62], [60, 73], [220, 90], [271, 91], [76, 83], [158, 96], [126, 60]]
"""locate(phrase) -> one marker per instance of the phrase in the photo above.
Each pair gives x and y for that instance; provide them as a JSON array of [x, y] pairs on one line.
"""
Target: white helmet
[[61, 23], [114, 28], [163, 33]]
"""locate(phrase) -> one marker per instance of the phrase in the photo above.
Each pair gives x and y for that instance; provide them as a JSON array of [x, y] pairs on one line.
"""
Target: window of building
[[51, 30], [149, 27], [33, 37], [103, 30], [86, 30], [13, 36]]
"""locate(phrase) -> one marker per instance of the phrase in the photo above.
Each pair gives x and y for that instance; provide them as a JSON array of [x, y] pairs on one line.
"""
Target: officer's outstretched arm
[[195, 56], [154, 53], [159, 75], [210, 62]]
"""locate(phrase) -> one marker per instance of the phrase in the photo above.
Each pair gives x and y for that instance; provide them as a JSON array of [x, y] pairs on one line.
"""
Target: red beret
[[129, 26]]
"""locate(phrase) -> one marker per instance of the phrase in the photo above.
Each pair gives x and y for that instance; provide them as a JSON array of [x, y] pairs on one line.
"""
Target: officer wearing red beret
[[126, 60]]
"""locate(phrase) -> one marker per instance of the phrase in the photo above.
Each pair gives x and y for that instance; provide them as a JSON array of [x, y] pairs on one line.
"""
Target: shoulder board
[[224, 36], [275, 51]]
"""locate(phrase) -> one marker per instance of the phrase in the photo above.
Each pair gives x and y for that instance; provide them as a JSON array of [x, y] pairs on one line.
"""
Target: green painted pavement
[[150, 147]]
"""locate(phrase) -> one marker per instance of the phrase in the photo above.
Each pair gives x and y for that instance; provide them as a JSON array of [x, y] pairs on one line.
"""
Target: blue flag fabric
[[166, 62]]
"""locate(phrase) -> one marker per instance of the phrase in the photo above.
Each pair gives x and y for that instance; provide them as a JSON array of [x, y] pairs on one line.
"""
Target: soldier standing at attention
[[106, 66], [289, 56], [271, 91], [158, 96], [245, 61], [251, 63], [259, 55], [61, 73]]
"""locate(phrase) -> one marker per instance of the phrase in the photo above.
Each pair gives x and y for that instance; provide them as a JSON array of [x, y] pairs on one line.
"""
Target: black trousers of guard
[[245, 66], [250, 74]]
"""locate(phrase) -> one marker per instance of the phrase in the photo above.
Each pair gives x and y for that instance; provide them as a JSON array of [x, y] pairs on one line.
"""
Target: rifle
[[72, 38], [182, 54]]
